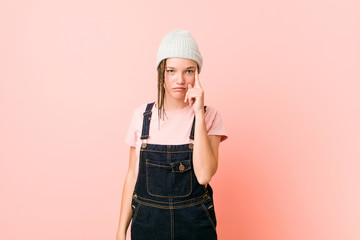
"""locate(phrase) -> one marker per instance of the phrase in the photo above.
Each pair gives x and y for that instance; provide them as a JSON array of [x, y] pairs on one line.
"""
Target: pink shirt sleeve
[[133, 130], [214, 123]]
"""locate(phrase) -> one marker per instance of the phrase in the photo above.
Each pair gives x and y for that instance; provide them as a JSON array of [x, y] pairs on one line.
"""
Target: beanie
[[179, 44]]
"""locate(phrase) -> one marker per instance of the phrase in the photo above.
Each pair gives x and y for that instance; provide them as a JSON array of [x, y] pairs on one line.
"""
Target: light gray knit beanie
[[179, 44]]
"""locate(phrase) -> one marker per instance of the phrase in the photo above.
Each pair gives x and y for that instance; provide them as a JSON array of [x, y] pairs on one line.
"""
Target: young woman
[[174, 146]]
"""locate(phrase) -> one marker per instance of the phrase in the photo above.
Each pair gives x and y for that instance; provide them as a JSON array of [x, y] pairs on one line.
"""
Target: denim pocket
[[135, 209], [209, 209], [169, 179]]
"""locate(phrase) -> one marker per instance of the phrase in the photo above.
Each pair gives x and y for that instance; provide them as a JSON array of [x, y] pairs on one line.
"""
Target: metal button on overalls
[[181, 167]]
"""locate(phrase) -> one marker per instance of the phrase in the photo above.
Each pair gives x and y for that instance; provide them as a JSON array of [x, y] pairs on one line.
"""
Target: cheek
[[190, 80], [167, 82]]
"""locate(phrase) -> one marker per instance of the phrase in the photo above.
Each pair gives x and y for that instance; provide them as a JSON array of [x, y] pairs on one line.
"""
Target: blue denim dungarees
[[168, 203]]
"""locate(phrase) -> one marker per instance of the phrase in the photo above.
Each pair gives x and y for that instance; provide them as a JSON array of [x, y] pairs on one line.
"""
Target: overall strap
[[146, 121], [193, 127]]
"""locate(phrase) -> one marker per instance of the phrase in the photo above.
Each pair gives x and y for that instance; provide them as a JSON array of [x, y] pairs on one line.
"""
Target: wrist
[[200, 113]]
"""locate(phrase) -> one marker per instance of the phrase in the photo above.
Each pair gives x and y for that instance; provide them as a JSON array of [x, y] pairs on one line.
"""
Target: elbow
[[204, 177], [204, 174], [204, 180]]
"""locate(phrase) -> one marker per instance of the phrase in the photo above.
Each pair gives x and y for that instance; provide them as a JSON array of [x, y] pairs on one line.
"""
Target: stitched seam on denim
[[136, 212], [146, 121], [172, 219], [147, 150], [177, 171], [146, 128], [168, 207], [145, 132], [158, 165], [186, 162], [189, 200], [168, 157], [208, 215]]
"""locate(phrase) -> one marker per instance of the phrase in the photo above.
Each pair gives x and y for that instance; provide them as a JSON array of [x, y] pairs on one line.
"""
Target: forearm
[[126, 211], [204, 160]]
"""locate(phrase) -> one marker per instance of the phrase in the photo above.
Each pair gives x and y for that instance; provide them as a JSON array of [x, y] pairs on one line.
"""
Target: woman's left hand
[[195, 94]]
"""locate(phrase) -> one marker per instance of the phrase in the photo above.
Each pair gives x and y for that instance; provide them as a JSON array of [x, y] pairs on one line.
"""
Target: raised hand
[[195, 94]]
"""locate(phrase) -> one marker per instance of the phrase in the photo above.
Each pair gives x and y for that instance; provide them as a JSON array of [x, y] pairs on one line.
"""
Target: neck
[[171, 104]]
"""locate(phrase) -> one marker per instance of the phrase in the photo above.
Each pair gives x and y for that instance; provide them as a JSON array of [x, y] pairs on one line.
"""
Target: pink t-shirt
[[174, 129]]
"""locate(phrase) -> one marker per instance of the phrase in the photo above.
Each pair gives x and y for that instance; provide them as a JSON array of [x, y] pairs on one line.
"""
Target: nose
[[180, 79]]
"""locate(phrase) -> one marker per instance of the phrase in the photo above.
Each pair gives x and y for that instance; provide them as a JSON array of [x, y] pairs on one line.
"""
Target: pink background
[[284, 75]]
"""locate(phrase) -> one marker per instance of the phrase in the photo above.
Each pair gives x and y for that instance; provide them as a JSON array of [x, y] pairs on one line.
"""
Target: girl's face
[[179, 72]]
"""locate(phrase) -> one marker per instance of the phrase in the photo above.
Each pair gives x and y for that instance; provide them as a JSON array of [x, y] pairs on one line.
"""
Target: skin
[[182, 87]]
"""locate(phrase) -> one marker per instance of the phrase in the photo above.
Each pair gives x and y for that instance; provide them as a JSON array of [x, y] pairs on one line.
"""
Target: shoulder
[[213, 117], [211, 109], [137, 112], [214, 123], [211, 112], [140, 109]]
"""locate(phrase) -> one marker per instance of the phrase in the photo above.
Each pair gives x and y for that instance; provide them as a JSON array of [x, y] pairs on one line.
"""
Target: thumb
[[190, 86]]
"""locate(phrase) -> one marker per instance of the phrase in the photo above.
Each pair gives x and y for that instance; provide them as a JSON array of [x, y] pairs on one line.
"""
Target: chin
[[178, 94], [178, 97]]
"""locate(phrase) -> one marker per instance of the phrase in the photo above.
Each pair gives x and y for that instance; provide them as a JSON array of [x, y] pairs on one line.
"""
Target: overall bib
[[168, 203]]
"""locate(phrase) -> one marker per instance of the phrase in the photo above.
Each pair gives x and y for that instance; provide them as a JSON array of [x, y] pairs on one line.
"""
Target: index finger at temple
[[197, 81]]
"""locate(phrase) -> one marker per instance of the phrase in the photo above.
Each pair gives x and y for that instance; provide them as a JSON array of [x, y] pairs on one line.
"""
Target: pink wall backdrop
[[284, 74]]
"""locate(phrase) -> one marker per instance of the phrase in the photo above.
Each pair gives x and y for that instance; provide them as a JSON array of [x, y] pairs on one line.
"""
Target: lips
[[179, 89]]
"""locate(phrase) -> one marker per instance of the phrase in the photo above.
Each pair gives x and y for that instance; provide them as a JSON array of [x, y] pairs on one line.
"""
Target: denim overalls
[[168, 203]]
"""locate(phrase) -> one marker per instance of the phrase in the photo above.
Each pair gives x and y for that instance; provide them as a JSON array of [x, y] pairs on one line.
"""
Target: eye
[[189, 71], [170, 71]]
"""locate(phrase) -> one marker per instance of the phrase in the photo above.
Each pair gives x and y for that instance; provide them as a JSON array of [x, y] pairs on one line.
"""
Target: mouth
[[179, 89]]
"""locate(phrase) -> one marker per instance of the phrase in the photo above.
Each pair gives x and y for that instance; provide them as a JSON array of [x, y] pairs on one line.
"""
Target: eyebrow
[[185, 68]]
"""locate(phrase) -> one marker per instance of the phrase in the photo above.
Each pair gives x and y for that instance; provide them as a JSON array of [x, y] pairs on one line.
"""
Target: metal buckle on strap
[[149, 112], [144, 143], [191, 144]]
